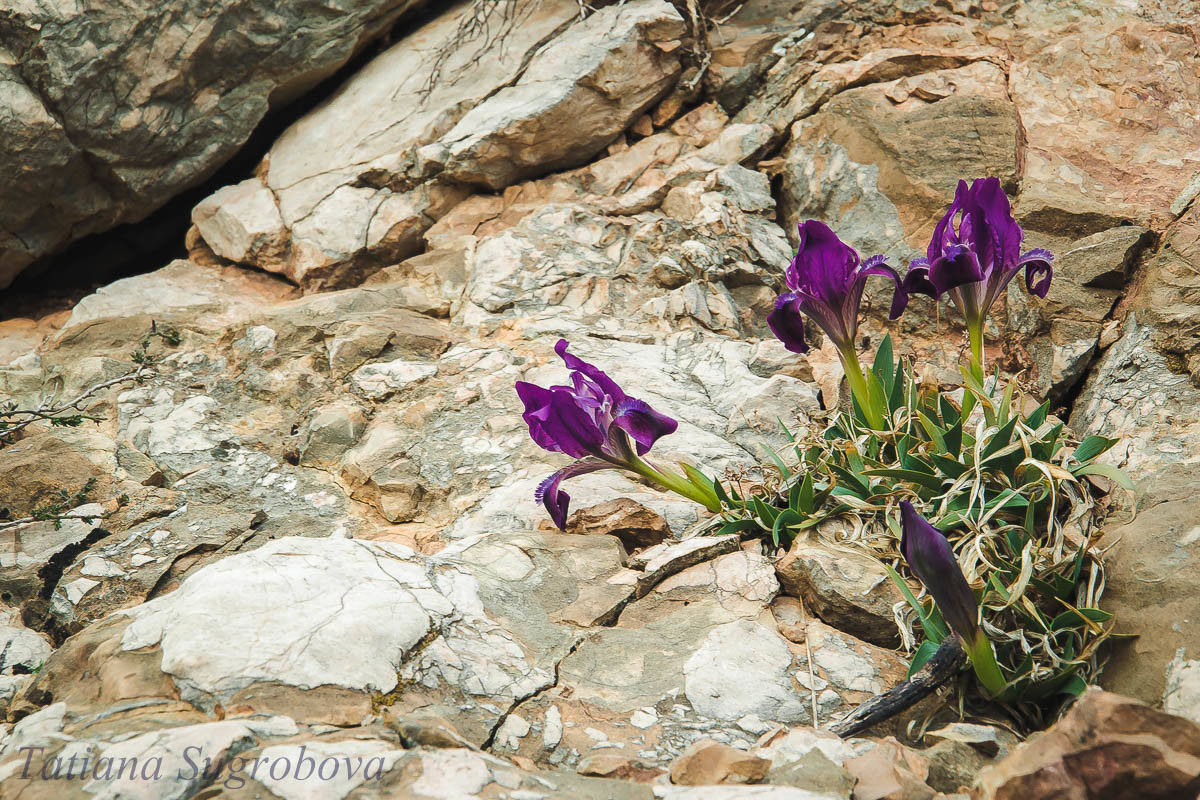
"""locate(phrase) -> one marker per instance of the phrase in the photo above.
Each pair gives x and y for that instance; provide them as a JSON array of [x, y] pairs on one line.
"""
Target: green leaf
[[911, 475], [931, 428], [854, 483], [724, 497], [884, 365], [1105, 471], [804, 496], [1075, 686], [953, 438], [1093, 446], [1038, 416], [738, 526], [1078, 617], [770, 451], [782, 522], [921, 656], [950, 415], [1000, 440], [697, 478], [948, 466], [765, 513]]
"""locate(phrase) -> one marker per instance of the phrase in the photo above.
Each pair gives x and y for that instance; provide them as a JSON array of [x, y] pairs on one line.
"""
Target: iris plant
[[931, 559], [974, 253], [827, 279], [594, 421]]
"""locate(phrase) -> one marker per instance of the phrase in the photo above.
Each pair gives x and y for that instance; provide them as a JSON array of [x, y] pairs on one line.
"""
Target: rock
[[707, 762], [37, 468], [151, 106], [1068, 187], [1150, 584], [1105, 747], [601, 74], [377, 185], [634, 524], [1089, 276], [890, 770], [863, 162], [1182, 695], [846, 589]]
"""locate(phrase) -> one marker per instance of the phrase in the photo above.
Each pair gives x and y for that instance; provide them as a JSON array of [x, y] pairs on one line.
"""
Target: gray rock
[[113, 109]]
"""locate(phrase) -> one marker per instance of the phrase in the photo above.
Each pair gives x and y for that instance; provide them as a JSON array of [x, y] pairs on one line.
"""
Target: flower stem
[[983, 661], [676, 483], [858, 386], [975, 334]]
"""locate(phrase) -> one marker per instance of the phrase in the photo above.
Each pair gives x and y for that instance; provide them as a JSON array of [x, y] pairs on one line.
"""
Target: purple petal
[[1037, 263], [995, 235], [643, 424], [944, 232], [931, 559], [787, 324], [576, 364], [875, 266], [556, 501], [957, 266], [824, 265], [557, 422]]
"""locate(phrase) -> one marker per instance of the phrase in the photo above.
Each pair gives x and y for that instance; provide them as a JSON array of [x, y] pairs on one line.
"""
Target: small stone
[[631, 522], [707, 762], [77, 588]]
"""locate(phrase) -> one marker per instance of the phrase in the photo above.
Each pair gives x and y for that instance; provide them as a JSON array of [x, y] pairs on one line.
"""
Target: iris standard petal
[[931, 559], [556, 501], [643, 424], [1038, 271], [824, 264], [786, 322], [577, 364]]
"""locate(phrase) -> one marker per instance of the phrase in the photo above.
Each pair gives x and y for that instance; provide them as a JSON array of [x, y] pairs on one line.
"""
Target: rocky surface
[[107, 110], [313, 528]]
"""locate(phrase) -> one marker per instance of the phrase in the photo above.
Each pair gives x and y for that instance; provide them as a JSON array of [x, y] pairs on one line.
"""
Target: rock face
[[354, 185], [314, 536], [108, 110], [1107, 746]]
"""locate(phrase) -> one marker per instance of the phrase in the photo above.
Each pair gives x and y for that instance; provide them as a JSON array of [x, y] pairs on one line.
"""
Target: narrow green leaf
[[1078, 617], [921, 656], [948, 466], [1038, 416], [1105, 471], [884, 365], [910, 475], [931, 428], [1000, 440], [804, 497], [1091, 447]]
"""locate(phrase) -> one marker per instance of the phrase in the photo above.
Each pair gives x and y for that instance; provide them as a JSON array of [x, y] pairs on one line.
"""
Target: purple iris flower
[[592, 420], [827, 280], [975, 252], [931, 559]]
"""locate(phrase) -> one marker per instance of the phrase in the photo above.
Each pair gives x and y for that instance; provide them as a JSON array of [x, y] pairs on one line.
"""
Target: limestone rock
[[634, 524], [1105, 747], [848, 590], [707, 762], [153, 103]]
